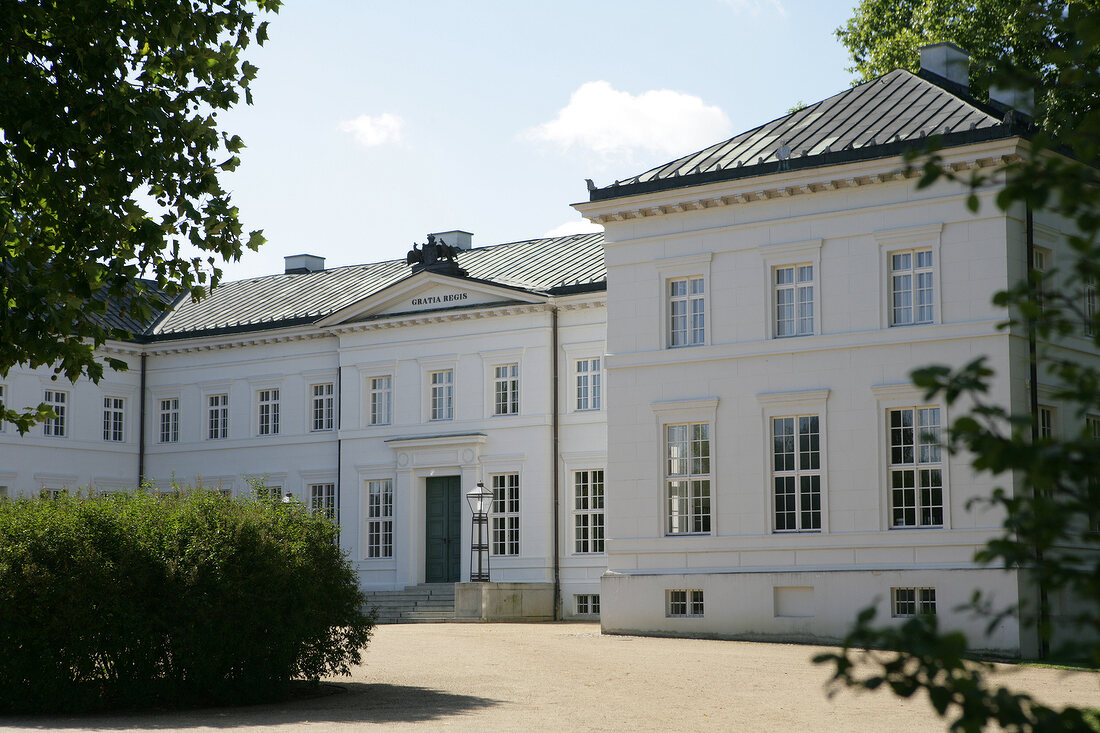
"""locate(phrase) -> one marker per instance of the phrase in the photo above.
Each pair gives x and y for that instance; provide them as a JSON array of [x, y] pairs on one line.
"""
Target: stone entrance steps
[[424, 603]]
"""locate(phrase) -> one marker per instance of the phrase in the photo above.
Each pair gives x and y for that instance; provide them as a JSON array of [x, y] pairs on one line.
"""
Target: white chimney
[[946, 60], [456, 238], [300, 264]]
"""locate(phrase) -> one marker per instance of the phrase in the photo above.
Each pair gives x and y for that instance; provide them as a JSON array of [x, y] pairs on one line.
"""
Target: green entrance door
[[443, 511]]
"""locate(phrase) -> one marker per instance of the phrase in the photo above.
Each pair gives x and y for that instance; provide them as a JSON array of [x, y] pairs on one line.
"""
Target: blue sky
[[375, 123]]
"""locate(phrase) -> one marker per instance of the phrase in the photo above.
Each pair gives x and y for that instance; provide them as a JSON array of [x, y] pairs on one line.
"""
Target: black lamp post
[[480, 500]]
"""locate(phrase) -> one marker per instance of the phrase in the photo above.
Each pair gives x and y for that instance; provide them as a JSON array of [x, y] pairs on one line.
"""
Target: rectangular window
[[442, 395], [3, 493], [381, 400], [322, 499], [685, 603], [217, 416], [505, 514], [380, 518], [506, 389], [3, 400], [796, 477], [911, 288], [916, 467], [1040, 259], [588, 384], [588, 510], [687, 477], [169, 420], [587, 604], [113, 419], [55, 400], [323, 407], [687, 311], [1046, 422], [909, 602], [794, 300], [267, 401]]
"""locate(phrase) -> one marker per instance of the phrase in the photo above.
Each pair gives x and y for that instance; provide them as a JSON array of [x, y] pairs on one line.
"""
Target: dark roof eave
[[578, 288], [236, 328], [822, 160]]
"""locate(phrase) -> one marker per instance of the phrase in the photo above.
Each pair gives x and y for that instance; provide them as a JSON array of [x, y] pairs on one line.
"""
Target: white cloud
[[610, 122], [576, 226], [371, 131], [755, 7]]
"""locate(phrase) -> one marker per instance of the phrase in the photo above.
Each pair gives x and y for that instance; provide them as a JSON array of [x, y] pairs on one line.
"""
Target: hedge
[[138, 599]]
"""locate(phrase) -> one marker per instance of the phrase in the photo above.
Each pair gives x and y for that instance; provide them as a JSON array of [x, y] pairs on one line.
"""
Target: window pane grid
[[685, 603], [588, 520], [322, 499], [170, 420], [912, 288], [687, 480], [916, 469], [323, 408], [687, 312], [268, 422], [796, 466], [217, 416], [55, 426], [909, 602], [794, 300], [381, 400], [506, 389], [442, 395], [588, 384], [505, 514], [380, 518], [113, 413]]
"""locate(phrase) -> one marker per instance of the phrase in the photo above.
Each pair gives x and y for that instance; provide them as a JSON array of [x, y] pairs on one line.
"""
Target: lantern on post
[[480, 500]]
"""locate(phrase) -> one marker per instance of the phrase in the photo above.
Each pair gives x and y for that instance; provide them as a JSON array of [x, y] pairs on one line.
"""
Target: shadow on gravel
[[344, 702]]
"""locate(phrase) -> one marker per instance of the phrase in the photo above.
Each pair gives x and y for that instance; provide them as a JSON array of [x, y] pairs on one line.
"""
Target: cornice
[[775, 186], [440, 317]]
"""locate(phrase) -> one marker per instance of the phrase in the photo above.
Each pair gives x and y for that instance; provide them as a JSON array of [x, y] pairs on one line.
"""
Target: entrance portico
[[433, 518]]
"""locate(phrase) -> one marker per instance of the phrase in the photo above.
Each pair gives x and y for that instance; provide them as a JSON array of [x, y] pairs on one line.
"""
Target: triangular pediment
[[430, 291]]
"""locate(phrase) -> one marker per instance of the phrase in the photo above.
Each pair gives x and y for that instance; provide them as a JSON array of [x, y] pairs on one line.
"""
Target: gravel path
[[556, 677]]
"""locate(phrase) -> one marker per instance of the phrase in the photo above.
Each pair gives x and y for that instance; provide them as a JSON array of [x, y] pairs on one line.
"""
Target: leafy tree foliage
[[109, 161], [1050, 529], [883, 35]]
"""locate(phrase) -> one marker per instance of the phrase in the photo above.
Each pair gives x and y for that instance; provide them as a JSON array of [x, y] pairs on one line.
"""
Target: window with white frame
[[322, 500], [169, 408], [441, 395], [686, 602], [114, 414], [506, 389], [217, 416], [267, 418], [505, 513], [1046, 422], [687, 477], [686, 312], [381, 399], [909, 602], [4, 493], [589, 384], [322, 406], [587, 604], [796, 473], [912, 290], [794, 300], [274, 492], [380, 518], [588, 510], [916, 467], [57, 401]]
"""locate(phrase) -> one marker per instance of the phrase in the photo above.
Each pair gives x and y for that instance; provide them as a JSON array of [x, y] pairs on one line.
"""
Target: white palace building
[[697, 423]]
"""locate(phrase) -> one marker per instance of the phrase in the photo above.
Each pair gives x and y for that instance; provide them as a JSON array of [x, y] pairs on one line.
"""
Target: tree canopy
[[883, 35], [1051, 530], [110, 156]]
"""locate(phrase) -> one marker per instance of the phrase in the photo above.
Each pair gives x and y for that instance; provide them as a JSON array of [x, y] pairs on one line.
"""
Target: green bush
[[136, 599]]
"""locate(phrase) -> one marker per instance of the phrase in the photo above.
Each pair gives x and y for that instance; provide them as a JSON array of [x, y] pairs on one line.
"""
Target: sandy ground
[[560, 677]]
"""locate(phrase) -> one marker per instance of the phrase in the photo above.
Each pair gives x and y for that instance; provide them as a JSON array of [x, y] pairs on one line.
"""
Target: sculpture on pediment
[[435, 255]]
